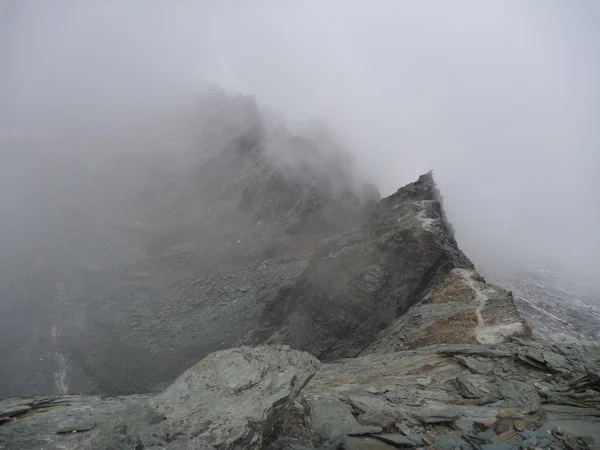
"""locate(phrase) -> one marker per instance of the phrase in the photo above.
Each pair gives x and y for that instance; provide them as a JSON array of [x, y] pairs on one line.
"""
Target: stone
[[464, 388], [77, 427], [374, 410], [231, 398], [484, 424], [431, 416], [505, 437], [242, 396], [372, 273], [503, 425], [500, 447], [488, 435], [519, 425], [520, 396], [477, 366], [449, 442], [556, 362], [464, 425], [333, 421], [365, 443], [395, 439]]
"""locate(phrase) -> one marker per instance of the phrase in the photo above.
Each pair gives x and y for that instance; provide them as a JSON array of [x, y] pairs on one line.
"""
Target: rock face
[[230, 400], [444, 396], [462, 310], [359, 282], [417, 349]]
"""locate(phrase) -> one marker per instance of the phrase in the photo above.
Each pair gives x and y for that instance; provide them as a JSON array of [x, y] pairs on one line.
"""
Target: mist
[[500, 98]]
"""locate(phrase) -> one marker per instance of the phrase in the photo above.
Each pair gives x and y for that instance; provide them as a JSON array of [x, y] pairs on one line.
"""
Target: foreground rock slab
[[230, 400], [438, 396], [518, 394]]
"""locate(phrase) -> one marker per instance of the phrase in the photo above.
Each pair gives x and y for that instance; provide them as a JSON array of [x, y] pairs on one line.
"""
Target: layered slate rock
[[531, 396], [444, 396], [359, 282], [233, 398], [464, 309], [64, 423], [230, 400]]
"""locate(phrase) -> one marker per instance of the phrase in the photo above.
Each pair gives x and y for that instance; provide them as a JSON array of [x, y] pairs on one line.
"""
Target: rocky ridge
[[372, 329], [451, 366], [517, 394]]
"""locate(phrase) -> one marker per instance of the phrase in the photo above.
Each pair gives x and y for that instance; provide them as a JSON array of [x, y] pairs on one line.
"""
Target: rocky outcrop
[[303, 183], [418, 350], [469, 396], [458, 396], [462, 310], [230, 400], [359, 282]]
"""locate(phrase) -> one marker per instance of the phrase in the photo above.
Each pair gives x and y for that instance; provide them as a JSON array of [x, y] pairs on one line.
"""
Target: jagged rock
[[464, 388], [431, 416], [44, 424], [231, 399], [476, 365], [237, 397], [395, 280], [397, 440], [357, 283], [462, 310]]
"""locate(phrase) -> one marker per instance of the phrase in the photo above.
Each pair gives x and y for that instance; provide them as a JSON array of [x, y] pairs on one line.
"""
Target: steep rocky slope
[[143, 255], [357, 284], [393, 338], [472, 396], [464, 376]]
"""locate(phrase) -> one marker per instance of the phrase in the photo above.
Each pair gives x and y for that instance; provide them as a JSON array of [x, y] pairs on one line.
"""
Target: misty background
[[500, 98]]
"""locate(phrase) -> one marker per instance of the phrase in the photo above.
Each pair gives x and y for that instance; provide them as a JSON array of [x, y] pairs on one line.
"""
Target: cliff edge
[[438, 359]]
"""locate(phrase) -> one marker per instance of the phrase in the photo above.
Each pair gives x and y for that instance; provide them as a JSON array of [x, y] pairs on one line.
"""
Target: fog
[[500, 98]]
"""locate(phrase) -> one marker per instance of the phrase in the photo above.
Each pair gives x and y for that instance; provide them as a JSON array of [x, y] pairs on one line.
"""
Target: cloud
[[500, 98]]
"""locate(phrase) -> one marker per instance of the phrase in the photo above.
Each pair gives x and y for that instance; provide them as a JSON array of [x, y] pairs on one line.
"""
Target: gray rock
[[481, 367], [76, 427], [374, 410], [464, 388], [47, 418], [520, 397], [500, 446], [445, 442], [431, 416], [232, 398], [333, 421], [365, 443], [372, 274], [243, 397], [396, 440], [556, 362], [488, 435]]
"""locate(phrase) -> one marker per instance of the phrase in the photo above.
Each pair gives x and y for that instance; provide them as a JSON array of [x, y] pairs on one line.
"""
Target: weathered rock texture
[[230, 400], [358, 283], [434, 356], [445, 396], [462, 310]]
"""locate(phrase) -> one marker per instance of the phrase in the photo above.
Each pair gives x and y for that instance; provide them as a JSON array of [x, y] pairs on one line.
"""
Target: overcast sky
[[501, 98]]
